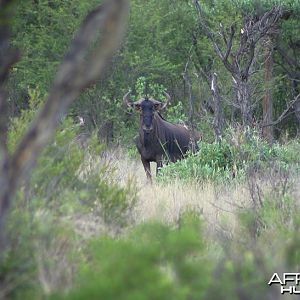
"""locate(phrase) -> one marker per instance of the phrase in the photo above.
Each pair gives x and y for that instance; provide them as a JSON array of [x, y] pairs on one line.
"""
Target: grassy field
[[249, 230], [253, 220], [165, 202], [217, 203]]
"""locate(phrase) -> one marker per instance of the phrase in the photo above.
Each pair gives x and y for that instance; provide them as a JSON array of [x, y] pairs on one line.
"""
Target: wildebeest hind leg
[[146, 165]]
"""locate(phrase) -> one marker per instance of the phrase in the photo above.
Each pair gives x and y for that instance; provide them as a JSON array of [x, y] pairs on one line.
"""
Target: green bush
[[153, 262], [232, 157], [68, 181], [156, 261]]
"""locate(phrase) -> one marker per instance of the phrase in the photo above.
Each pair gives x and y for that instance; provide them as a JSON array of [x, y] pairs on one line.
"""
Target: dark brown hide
[[165, 142]]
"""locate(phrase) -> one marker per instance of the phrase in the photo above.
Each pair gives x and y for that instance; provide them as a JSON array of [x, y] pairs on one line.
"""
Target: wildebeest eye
[[157, 106], [137, 107]]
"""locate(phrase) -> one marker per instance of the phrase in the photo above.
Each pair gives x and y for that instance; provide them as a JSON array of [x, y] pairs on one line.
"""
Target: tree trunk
[[187, 80], [296, 107], [267, 100], [106, 132], [218, 122], [244, 100]]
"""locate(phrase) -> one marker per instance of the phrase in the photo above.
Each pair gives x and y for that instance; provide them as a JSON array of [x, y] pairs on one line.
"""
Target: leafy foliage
[[153, 262], [43, 30], [232, 157], [157, 261], [163, 40], [47, 257], [57, 188]]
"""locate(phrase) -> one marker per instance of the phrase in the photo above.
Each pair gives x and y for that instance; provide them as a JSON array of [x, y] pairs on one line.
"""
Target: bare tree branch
[[229, 43], [284, 114], [78, 70], [83, 64], [210, 35]]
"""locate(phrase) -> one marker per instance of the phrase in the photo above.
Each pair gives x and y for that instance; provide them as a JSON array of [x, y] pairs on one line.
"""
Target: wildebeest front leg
[[146, 165]]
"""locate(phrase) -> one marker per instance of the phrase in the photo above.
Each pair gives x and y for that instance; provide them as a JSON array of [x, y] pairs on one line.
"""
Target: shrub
[[156, 261], [153, 262], [231, 157], [40, 234]]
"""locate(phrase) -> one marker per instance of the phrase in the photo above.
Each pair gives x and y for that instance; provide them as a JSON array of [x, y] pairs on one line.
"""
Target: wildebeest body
[[167, 141], [158, 139]]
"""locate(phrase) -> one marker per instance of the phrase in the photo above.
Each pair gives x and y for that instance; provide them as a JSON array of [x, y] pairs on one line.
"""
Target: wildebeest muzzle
[[147, 123]]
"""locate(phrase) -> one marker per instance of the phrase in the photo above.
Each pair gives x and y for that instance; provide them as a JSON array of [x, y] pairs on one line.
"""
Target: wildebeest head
[[147, 107]]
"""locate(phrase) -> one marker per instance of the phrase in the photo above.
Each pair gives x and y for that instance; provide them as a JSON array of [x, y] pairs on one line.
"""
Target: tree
[[267, 100], [286, 59], [82, 65], [237, 51]]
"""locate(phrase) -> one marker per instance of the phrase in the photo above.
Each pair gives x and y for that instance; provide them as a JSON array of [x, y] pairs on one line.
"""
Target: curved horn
[[126, 100], [168, 100]]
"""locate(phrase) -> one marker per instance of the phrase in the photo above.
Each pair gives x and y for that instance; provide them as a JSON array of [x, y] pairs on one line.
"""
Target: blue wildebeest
[[158, 139]]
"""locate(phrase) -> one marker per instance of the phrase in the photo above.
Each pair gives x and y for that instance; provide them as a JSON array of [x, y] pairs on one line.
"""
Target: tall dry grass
[[166, 202], [218, 204]]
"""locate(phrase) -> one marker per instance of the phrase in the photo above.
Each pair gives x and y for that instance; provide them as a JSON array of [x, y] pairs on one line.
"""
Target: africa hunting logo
[[288, 284]]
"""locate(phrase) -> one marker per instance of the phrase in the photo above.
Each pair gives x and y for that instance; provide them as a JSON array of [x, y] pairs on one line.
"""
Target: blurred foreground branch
[[83, 65]]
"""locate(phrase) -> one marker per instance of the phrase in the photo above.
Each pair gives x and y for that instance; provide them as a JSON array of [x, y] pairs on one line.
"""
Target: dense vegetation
[[165, 41], [75, 228]]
